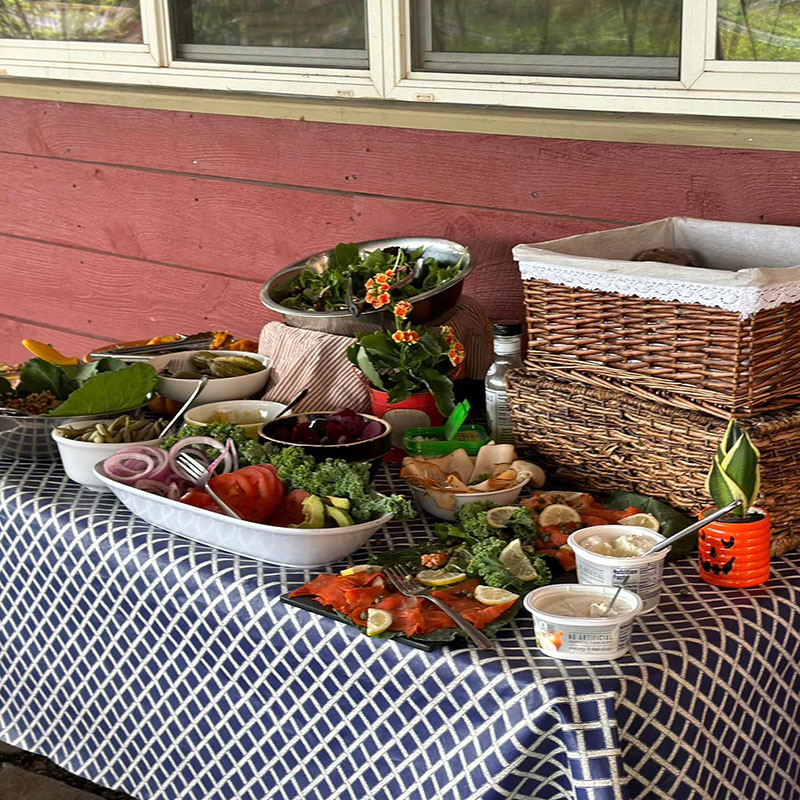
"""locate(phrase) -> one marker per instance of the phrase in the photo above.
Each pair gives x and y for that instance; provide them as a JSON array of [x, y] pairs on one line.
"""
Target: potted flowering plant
[[734, 550], [408, 367]]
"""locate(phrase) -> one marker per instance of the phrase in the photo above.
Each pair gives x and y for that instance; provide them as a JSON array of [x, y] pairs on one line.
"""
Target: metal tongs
[[197, 341]]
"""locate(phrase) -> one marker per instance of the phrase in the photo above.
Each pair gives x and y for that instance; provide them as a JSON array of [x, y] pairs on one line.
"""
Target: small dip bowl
[[643, 573], [582, 638], [249, 415]]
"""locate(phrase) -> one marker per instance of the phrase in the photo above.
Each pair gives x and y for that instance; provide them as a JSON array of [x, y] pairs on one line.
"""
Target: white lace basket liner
[[747, 268]]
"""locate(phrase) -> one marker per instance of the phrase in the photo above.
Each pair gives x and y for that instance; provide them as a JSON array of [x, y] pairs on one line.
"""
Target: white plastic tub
[[287, 547], [643, 573], [583, 638]]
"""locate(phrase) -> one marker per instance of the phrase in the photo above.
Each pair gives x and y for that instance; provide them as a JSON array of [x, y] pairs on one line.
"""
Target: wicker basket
[[601, 440], [727, 343]]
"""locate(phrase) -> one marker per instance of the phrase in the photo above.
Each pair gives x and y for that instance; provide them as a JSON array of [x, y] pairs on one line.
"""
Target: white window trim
[[706, 86]]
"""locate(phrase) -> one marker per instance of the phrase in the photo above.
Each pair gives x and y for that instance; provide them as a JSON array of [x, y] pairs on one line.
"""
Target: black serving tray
[[308, 603]]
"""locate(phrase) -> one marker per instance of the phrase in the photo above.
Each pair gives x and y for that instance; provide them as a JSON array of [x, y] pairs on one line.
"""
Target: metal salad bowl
[[28, 438], [435, 304]]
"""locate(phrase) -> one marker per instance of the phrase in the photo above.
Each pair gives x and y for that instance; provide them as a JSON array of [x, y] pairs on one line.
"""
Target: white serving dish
[[583, 638], [500, 497], [287, 547], [642, 573], [217, 389], [79, 458], [265, 410]]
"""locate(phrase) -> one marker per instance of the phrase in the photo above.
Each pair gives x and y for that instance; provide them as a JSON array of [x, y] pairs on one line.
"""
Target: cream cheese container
[[643, 573], [582, 638]]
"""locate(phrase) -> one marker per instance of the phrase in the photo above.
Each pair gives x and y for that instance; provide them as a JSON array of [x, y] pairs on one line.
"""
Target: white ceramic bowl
[[582, 638], [216, 389], [643, 573], [500, 497], [79, 458], [287, 547], [260, 411]]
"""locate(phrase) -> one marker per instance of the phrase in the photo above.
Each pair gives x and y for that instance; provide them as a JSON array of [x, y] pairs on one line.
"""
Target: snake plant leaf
[[732, 434], [365, 365], [740, 465], [722, 489]]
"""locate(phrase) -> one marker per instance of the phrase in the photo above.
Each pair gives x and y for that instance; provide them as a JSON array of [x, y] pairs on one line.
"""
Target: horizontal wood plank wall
[[121, 223]]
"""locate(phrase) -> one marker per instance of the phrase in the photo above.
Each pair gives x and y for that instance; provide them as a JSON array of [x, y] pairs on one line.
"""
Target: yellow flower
[[402, 309], [398, 336]]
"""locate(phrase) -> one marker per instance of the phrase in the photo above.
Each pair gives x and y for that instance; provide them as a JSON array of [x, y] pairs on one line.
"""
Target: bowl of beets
[[342, 434]]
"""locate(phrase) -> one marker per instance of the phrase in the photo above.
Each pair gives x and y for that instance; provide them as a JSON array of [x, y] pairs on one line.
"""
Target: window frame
[[705, 86]]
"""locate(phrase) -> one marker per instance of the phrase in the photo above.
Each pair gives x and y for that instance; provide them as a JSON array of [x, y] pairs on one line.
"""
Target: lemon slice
[[557, 514], [499, 517], [490, 596], [378, 621], [641, 521], [514, 559], [440, 577], [354, 570]]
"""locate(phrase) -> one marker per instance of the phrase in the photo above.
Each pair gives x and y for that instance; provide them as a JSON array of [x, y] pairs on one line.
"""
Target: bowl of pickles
[[232, 375]]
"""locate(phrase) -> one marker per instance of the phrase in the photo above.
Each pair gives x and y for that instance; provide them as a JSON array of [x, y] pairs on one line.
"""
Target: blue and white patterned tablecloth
[[171, 671]]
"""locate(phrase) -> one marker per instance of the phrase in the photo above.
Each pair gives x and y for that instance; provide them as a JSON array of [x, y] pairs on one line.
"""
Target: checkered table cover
[[171, 671]]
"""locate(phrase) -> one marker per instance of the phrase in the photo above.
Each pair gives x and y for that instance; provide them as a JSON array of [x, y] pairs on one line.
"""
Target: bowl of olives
[[232, 375]]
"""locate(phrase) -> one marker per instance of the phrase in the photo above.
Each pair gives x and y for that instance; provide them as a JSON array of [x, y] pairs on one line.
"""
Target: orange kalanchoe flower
[[448, 333], [381, 277], [402, 309], [370, 283], [399, 336], [455, 357], [412, 337]]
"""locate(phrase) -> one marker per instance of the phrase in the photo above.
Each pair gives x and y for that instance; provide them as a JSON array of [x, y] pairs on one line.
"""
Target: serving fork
[[411, 587], [199, 476]]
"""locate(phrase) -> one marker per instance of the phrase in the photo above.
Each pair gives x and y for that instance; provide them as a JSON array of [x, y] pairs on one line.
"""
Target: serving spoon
[[695, 526]]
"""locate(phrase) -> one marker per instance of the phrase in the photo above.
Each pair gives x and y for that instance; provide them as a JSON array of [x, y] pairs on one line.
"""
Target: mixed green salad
[[327, 291], [99, 387]]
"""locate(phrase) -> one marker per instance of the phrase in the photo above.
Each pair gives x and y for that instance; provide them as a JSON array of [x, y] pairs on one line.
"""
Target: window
[[713, 57]]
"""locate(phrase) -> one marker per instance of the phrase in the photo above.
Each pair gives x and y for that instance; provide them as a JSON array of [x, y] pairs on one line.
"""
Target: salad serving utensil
[[292, 403], [410, 587], [200, 476], [695, 526], [201, 384]]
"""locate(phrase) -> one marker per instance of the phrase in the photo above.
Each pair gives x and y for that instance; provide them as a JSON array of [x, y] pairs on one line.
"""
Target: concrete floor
[[27, 776]]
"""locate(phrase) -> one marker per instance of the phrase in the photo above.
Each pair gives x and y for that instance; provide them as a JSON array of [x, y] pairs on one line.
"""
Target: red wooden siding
[[120, 223]]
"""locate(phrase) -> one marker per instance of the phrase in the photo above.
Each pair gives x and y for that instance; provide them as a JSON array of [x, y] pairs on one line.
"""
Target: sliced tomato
[[276, 485], [238, 492], [266, 499], [201, 500], [290, 511]]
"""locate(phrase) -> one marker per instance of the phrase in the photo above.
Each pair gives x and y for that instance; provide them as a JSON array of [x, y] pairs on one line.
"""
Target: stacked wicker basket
[[633, 369]]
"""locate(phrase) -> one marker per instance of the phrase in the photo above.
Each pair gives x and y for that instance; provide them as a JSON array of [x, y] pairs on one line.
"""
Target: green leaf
[[741, 467], [722, 489], [379, 342], [38, 375], [365, 365], [732, 434], [670, 520], [345, 254], [5, 386], [442, 389], [109, 392]]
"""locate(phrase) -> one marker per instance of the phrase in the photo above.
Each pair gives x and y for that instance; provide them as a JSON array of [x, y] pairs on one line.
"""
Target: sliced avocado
[[314, 510], [339, 502], [339, 516]]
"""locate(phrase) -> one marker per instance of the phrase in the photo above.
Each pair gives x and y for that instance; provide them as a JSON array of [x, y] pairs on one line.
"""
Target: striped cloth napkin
[[302, 358]]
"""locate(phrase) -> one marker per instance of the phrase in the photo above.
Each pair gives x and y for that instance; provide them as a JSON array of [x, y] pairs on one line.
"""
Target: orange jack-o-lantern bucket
[[735, 552]]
